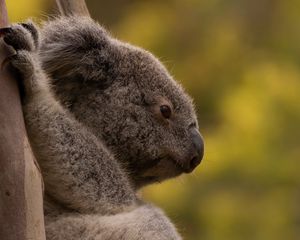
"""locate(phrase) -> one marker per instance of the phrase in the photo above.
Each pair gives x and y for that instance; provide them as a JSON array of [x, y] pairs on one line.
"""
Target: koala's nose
[[198, 150]]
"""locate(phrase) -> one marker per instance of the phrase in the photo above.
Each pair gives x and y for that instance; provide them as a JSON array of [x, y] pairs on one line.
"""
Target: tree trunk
[[21, 200], [73, 7]]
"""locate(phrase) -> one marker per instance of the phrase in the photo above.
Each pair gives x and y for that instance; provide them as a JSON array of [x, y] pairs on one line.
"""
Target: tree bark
[[21, 200], [73, 7]]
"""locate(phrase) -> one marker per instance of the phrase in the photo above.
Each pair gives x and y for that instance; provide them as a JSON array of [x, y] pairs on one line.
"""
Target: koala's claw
[[34, 32], [21, 36]]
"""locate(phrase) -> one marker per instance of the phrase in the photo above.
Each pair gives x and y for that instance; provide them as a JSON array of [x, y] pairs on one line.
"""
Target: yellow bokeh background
[[240, 60], [19, 9]]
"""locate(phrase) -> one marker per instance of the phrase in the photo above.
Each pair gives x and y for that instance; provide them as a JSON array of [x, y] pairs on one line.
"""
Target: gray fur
[[92, 113]]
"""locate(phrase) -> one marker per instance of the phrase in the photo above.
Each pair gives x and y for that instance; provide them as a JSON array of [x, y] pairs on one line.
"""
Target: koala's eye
[[165, 111]]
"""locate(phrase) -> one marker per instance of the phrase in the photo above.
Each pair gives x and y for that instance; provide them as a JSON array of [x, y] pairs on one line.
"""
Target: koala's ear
[[77, 48]]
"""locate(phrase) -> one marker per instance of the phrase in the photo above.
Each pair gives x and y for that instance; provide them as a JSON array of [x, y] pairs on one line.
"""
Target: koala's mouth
[[179, 166], [188, 164], [163, 168]]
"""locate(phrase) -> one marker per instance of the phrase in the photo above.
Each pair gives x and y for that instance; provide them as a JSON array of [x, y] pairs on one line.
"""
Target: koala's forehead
[[151, 77]]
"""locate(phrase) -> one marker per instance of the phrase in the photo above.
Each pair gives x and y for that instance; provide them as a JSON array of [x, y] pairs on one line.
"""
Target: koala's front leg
[[78, 171]]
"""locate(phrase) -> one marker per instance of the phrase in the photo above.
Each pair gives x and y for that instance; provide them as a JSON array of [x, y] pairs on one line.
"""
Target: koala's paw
[[24, 38]]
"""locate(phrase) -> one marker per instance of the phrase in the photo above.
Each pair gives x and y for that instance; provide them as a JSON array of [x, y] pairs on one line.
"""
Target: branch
[[3, 11], [21, 203], [73, 7]]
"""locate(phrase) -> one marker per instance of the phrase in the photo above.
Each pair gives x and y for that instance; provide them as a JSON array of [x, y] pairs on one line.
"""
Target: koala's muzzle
[[197, 151]]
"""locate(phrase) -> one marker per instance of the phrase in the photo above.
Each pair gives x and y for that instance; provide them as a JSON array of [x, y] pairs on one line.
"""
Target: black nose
[[198, 142], [197, 152]]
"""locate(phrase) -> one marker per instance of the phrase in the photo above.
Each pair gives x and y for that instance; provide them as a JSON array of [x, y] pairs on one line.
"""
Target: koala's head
[[126, 97]]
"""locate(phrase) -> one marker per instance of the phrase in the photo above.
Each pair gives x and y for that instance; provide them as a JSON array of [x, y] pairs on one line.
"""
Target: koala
[[104, 118]]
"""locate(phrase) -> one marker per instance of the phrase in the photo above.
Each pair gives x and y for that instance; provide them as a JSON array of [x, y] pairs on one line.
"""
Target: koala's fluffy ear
[[81, 52]]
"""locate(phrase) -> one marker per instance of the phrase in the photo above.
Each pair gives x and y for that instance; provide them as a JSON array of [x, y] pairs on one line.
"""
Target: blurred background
[[240, 60]]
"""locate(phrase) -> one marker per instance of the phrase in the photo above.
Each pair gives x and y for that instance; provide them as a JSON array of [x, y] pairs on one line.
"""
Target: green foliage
[[240, 61]]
